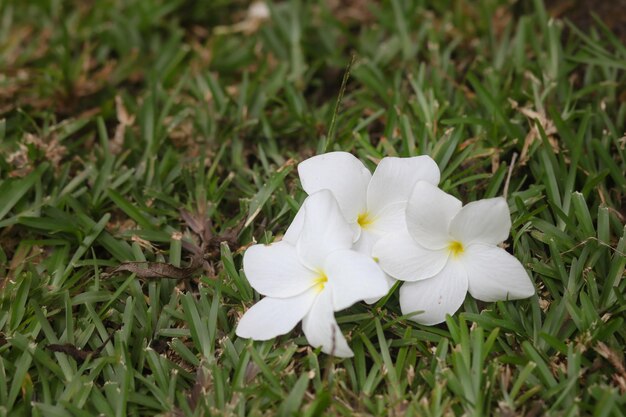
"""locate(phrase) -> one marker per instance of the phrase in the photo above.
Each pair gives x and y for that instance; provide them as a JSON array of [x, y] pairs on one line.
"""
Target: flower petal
[[321, 329], [484, 221], [324, 231], [394, 179], [365, 243], [402, 258], [429, 213], [276, 271], [353, 277], [295, 228], [390, 281], [341, 173], [437, 296], [495, 275], [272, 317], [390, 219]]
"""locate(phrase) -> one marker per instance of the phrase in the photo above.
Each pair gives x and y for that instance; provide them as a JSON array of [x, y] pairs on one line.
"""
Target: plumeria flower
[[373, 205], [310, 279], [447, 250]]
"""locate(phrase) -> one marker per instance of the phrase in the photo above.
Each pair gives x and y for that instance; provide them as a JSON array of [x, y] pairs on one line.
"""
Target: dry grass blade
[[614, 359], [200, 388], [199, 223]]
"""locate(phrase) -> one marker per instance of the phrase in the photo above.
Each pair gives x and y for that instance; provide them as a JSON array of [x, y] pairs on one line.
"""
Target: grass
[[152, 130]]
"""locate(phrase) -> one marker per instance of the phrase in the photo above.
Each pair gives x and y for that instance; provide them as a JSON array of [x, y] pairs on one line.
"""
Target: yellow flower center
[[320, 281], [364, 220], [456, 248]]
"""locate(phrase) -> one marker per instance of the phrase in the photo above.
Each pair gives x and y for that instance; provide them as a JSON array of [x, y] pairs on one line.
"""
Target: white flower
[[374, 205], [310, 279], [447, 250]]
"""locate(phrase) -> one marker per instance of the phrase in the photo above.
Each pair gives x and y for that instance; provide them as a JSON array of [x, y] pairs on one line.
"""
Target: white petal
[[366, 242], [484, 221], [356, 231], [395, 178], [494, 274], [321, 329], [343, 174], [324, 231], [402, 258], [429, 213], [294, 229], [390, 219], [272, 317], [364, 245], [390, 281], [437, 296], [353, 277], [275, 270]]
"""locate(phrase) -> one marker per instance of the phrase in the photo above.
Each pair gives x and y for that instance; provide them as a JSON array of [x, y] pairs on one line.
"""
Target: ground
[[168, 131]]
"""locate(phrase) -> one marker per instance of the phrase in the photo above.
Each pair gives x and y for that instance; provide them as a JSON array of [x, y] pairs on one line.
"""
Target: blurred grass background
[[159, 130]]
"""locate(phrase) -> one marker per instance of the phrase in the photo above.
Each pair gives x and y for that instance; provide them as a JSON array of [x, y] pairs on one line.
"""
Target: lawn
[[147, 143]]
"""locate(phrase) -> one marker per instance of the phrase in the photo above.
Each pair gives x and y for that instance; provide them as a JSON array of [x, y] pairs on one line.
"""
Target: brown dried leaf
[[158, 269], [53, 150], [202, 226], [257, 14], [19, 160], [80, 355], [191, 247], [533, 134], [614, 359], [351, 11], [252, 370], [199, 223], [536, 409], [160, 346], [200, 388], [125, 120]]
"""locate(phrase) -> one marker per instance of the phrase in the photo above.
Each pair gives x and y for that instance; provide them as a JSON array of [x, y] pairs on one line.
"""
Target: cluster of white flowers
[[357, 233]]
